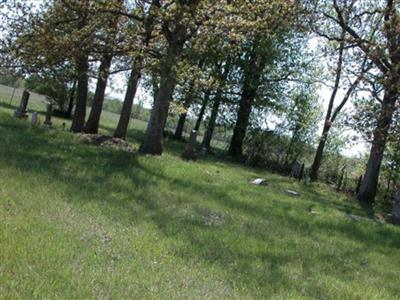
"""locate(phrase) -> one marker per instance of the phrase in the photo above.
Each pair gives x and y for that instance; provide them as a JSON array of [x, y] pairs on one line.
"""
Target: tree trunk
[[289, 152], [78, 121], [320, 150], [239, 132], [182, 117], [92, 124], [205, 145], [327, 125], [125, 116], [179, 128], [153, 142], [71, 99], [202, 110], [369, 185], [82, 69]]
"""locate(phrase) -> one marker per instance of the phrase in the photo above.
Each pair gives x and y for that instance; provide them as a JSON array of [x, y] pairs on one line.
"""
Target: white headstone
[[35, 118]]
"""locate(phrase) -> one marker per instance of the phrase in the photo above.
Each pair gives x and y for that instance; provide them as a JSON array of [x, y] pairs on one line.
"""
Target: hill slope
[[80, 221]]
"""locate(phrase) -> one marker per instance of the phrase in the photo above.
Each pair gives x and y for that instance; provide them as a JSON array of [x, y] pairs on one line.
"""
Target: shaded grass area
[[85, 222]]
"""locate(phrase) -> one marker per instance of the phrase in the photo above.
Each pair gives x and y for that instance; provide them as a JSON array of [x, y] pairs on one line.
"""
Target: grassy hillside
[[81, 222]]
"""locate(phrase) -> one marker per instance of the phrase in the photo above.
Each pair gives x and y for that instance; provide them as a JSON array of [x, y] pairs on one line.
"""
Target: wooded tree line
[[236, 62]]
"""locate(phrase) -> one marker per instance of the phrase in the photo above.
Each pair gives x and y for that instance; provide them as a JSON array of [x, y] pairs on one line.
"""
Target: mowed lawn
[[82, 222]]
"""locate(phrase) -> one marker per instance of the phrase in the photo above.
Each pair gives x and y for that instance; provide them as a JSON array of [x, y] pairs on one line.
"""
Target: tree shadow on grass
[[243, 245], [6, 105]]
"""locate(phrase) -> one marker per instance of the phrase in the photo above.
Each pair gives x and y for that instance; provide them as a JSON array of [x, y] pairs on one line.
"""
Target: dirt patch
[[106, 141]]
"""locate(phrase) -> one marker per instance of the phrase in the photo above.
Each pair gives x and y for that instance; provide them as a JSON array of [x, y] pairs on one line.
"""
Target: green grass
[[81, 222]]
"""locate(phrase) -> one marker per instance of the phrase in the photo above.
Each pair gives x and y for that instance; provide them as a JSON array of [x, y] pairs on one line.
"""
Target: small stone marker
[[190, 152], [20, 112], [296, 170], [358, 218], [203, 151], [292, 193], [311, 210], [49, 109], [259, 181], [35, 118]]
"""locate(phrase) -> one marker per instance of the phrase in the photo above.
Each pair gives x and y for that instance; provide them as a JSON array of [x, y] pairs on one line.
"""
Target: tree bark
[[369, 185], [320, 150], [181, 125], [239, 132], [134, 78], [202, 110], [125, 116], [78, 121], [205, 145], [182, 117], [92, 124], [176, 36], [153, 142]]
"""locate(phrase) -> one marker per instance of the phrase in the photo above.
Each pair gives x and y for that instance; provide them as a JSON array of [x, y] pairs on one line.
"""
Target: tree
[[332, 111], [221, 73], [110, 35], [146, 28], [375, 29], [56, 34], [262, 49], [365, 119], [82, 64], [301, 115], [177, 28]]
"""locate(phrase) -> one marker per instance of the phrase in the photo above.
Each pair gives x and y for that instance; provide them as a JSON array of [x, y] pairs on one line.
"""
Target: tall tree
[[177, 28], [82, 69], [111, 30], [148, 23], [222, 71], [203, 108], [251, 81], [375, 29], [332, 111], [262, 48], [133, 82]]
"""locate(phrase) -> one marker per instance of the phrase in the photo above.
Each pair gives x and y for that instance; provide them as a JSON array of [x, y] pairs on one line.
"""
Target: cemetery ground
[[79, 221]]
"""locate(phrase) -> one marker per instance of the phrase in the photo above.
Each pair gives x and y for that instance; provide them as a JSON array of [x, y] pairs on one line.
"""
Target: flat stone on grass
[[292, 193], [259, 181]]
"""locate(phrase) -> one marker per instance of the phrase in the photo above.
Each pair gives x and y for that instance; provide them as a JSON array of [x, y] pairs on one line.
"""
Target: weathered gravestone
[[190, 152], [297, 170], [49, 110], [396, 209], [35, 118], [21, 110]]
